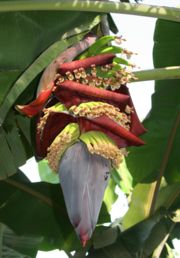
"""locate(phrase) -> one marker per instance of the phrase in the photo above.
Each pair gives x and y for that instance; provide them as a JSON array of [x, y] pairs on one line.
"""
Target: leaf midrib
[[34, 193]]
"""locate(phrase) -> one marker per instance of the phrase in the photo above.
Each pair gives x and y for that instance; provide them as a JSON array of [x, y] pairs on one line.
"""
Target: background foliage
[[34, 213]]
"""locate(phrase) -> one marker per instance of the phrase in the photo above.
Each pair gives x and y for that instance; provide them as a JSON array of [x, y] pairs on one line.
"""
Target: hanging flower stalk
[[85, 119]]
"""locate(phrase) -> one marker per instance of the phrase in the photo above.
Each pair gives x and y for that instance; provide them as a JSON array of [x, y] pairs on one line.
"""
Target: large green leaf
[[24, 35], [160, 154], [24, 28], [32, 71], [6, 80], [40, 63], [19, 246], [16, 146]]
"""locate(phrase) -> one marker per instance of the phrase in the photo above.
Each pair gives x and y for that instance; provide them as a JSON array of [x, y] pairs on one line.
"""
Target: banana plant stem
[[166, 73], [165, 161], [161, 12]]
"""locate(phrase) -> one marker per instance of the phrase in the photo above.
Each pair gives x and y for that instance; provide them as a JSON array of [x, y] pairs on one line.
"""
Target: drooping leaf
[[168, 195], [175, 232], [14, 140], [24, 35], [19, 246], [24, 125], [163, 138], [131, 241], [136, 236], [104, 236], [158, 237], [7, 162], [16, 146], [38, 210], [114, 250]]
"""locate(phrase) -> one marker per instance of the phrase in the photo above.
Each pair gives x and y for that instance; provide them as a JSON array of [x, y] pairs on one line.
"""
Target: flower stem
[[166, 73], [161, 12]]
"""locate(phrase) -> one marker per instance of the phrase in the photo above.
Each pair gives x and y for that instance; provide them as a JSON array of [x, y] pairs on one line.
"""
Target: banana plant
[[86, 118], [82, 122]]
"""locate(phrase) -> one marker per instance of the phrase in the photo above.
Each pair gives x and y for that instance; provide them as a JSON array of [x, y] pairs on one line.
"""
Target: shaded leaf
[[131, 241], [135, 237], [24, 35], [163, 138], [14, 140], [17, 246], [6, 80], [112, 24], [159, 235], [15, 148], [39, 210], [176, 231], [7, 162], [27, 26], [24, 124], [44, 207], [168, 195], [38, 65], [114, 250], [104, 236]]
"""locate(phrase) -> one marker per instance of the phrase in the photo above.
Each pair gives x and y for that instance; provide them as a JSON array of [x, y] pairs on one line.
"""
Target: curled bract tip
[[33, 108], [83, 241]]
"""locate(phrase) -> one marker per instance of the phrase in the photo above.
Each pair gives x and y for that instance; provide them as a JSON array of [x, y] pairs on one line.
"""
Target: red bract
[[55, 123], [92, 92], [66, 56], [35, 106], [87, 62]]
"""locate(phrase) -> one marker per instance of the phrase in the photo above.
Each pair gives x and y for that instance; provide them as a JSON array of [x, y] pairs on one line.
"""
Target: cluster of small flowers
[[107, 150], [57, 148], [91, 78], [97, 109], [42, 121]]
